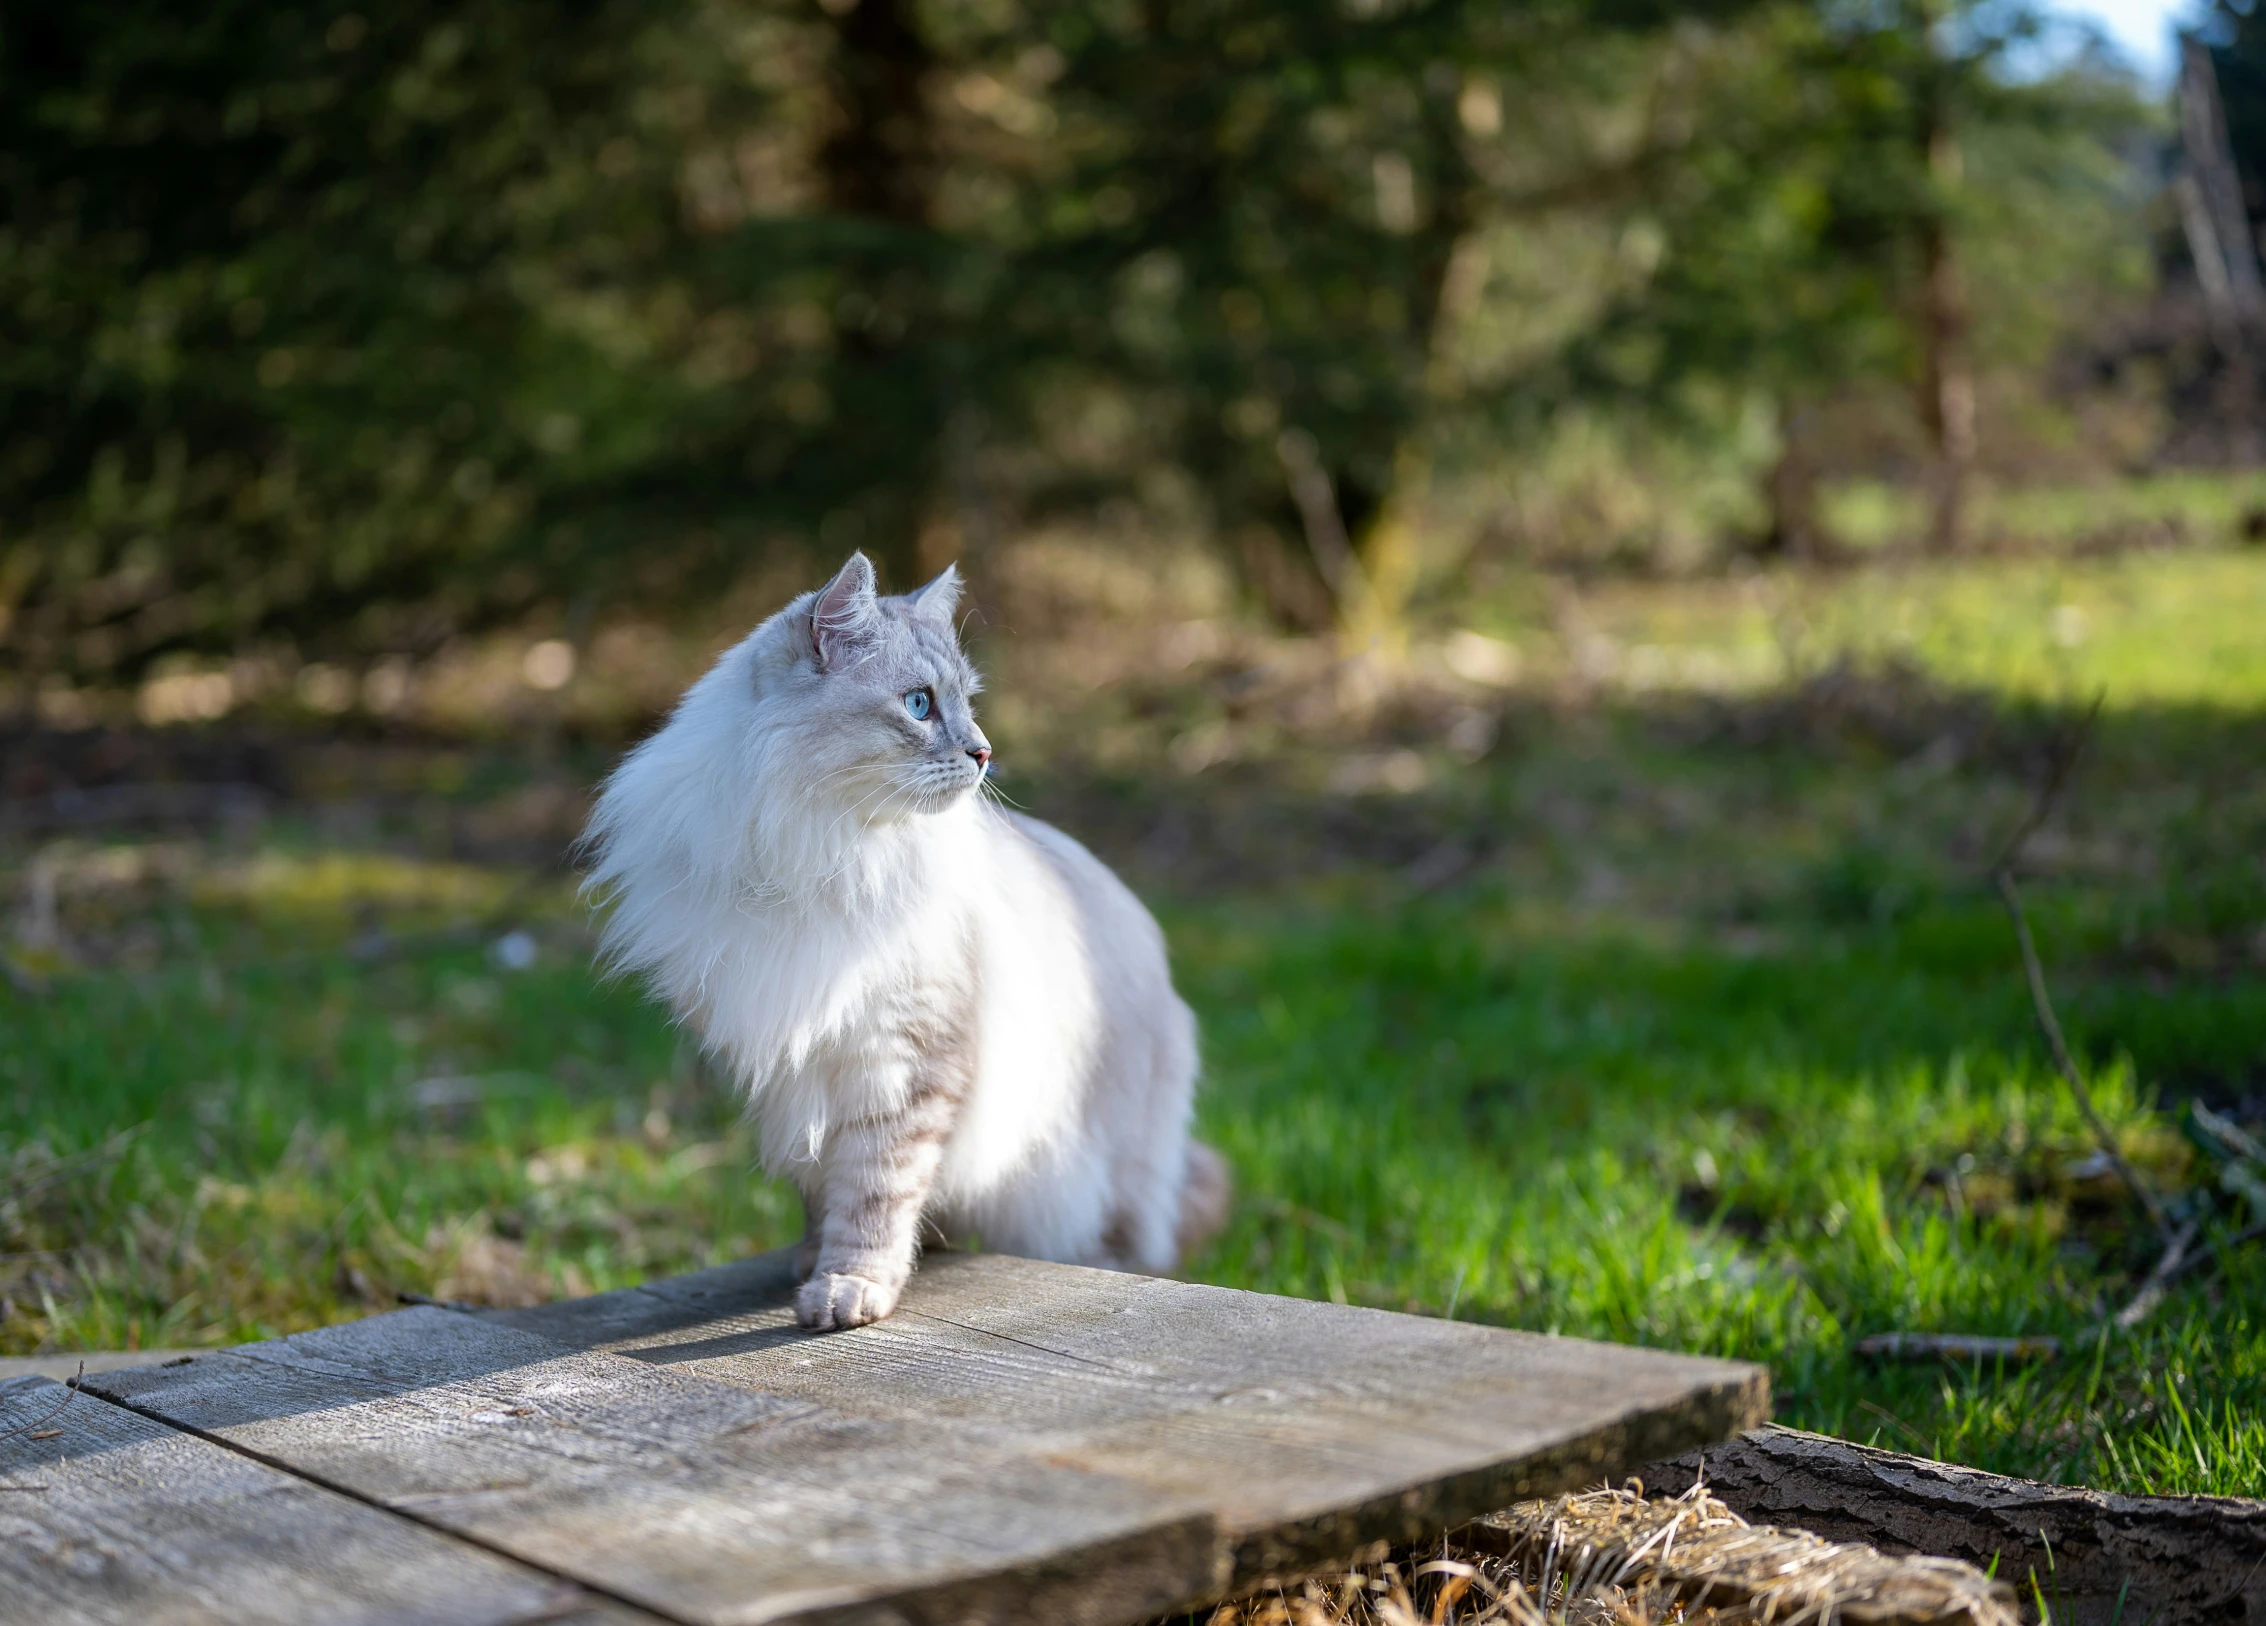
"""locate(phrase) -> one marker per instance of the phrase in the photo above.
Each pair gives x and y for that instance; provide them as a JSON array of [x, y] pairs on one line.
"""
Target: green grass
[[1720, 1045], [2191, 506]]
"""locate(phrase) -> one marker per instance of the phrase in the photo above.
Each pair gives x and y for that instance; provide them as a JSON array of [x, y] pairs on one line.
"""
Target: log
[[2096, 1558]]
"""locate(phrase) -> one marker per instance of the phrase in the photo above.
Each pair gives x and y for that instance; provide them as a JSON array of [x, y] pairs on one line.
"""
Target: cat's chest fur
[[947, 966]]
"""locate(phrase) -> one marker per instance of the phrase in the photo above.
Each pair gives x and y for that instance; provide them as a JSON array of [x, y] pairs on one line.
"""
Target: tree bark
[[1797, 527], [880, 159], [879, 163], [2096, 1558], [1386, 540], [1947, 384]]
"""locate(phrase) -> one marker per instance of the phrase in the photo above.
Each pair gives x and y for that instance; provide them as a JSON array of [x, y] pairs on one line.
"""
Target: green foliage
[[1792, 170], [316, 321], [346, 331]]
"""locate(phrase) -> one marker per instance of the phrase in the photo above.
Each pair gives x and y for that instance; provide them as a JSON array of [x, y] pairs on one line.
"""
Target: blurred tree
[[350, 330], [2235, 36], [1835, 173], [1290, 205], [324, 324]]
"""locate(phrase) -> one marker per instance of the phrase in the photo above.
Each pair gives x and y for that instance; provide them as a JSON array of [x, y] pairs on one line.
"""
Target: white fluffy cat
[[943, 1013]]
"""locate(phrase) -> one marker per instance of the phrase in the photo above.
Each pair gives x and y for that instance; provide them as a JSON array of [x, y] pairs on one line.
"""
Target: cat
[[950, 1020]]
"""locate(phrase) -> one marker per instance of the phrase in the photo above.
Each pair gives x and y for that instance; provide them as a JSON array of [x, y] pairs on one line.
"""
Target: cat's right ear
[[845, 616]]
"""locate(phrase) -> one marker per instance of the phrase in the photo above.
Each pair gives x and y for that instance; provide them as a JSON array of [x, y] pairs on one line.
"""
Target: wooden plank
[[1019, 1442], [698, 1499], [110, 1519], [1307, 1429]]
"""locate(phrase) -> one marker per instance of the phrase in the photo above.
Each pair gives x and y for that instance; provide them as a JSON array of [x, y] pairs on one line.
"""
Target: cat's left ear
[[939, 598], [845, 617]]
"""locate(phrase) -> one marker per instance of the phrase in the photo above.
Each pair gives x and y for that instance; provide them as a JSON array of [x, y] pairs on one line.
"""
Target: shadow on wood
[[1019, 1442]]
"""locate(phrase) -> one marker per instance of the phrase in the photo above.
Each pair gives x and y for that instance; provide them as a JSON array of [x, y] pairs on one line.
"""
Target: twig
[[2064, 763], [2041, 1001], [2207, 1256], [2159, 1280], [70, 1393]]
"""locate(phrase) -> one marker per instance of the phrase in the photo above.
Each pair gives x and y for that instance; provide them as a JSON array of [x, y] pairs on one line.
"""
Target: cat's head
[[875, 697]]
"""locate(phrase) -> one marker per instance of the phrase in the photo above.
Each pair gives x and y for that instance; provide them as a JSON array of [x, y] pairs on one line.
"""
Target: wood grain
[[1019, 1442], [109, 1519], [1307, 1429], [697, 1499]]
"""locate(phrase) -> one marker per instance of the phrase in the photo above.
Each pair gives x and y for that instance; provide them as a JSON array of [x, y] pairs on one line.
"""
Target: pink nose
[[982, 754]]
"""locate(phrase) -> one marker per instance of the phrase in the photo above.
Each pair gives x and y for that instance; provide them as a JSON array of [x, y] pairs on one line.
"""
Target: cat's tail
[[1205, 1192]]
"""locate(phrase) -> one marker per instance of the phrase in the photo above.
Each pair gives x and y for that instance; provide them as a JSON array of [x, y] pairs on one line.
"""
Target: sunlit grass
[[2193, 506], [1719, 1044], [1447, 1107], [2142, 629]]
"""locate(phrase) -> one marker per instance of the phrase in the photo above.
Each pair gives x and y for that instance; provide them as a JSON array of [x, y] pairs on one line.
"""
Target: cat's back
[[1120, 937]]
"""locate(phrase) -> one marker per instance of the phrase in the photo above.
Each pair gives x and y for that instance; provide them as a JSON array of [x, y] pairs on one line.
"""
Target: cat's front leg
[[814, 1232], [877, 1177]]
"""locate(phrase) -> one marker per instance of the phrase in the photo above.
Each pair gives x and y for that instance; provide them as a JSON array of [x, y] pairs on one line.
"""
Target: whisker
[[991, 789]]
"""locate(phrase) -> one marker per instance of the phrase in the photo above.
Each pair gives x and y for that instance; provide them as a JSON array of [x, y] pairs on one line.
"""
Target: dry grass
[[1615, 1558]]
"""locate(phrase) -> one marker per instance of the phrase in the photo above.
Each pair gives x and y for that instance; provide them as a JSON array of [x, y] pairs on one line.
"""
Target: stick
[[70, 1393], [2205, 1256], [2058, 771], [2042, 1005], [2159, 1280], [2041, 1001]]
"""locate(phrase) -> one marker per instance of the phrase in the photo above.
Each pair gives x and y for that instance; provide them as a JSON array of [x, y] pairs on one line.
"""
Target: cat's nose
[[982, 754]]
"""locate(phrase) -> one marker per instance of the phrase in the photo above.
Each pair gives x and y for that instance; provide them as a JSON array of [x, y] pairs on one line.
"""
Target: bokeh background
[[1553, 542]]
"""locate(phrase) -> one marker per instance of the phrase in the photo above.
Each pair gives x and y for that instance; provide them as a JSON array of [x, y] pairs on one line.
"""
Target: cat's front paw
[[832, 1303]]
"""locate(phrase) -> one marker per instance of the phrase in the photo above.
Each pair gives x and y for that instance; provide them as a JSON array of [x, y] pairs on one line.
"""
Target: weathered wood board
[[1019, 1442], [109, 1519], [1304, 1430]]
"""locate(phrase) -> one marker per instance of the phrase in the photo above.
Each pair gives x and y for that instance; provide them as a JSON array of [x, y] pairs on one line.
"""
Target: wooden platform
[[1019, 1442]]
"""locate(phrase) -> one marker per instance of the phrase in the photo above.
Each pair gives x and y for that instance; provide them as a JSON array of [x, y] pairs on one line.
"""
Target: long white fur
[[810, 896]]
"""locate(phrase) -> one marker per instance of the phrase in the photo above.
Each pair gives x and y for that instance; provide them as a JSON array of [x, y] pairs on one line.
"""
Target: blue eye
[[919, 704]]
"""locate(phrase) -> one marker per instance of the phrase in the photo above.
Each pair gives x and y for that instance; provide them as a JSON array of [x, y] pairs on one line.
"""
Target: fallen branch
[[2178, 1558], [1955, 1346], [1697, 1551]]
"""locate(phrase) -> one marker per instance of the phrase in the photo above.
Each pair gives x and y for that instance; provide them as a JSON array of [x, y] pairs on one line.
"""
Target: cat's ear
[[939, 598], [845, 617]]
